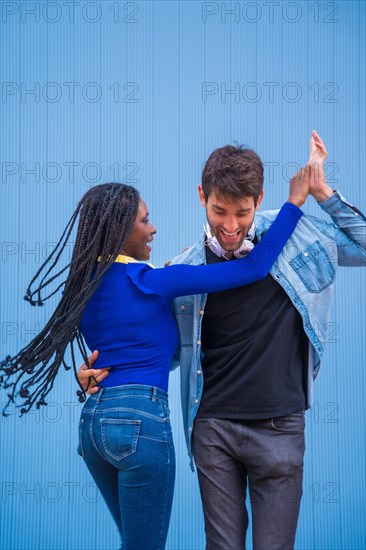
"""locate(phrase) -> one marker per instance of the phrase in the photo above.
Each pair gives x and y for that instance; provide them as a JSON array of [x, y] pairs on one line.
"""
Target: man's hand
[[318, 183], [300, 186], [84, 374]]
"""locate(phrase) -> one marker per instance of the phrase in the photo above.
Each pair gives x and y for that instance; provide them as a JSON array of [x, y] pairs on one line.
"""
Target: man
[[248, 356]]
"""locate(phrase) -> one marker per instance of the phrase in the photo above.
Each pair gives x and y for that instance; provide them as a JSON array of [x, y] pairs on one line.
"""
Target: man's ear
[[259, 200], [202, 196]]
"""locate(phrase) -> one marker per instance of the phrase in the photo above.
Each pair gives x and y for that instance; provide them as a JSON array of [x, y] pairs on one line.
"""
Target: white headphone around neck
[[246, 246]]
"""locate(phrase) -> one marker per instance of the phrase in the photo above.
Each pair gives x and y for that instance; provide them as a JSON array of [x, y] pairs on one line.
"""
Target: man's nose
[[231, 225]]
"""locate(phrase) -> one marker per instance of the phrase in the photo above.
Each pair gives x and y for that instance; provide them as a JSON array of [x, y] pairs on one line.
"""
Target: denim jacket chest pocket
[[314, 267]]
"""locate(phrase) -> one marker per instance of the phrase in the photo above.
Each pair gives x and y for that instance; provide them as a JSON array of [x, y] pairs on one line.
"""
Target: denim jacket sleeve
[[348, 228]]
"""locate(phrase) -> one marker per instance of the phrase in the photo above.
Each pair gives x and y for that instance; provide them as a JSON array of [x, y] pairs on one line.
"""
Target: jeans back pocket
[[119, 437]]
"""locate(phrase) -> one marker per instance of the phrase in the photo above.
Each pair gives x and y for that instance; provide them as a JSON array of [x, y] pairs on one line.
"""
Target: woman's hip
[[124, 421]]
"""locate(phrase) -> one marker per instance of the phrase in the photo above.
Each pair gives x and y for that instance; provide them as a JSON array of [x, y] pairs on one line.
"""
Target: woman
[[123, 308]]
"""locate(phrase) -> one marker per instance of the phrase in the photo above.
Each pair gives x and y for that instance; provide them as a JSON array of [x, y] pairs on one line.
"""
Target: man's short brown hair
[[233, 171]]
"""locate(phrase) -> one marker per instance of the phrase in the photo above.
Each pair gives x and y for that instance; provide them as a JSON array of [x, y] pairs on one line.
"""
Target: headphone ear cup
[[245, 248], [213, 243], [216, 247]]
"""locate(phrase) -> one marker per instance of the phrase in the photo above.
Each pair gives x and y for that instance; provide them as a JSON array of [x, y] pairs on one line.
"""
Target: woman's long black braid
[[107, 214]]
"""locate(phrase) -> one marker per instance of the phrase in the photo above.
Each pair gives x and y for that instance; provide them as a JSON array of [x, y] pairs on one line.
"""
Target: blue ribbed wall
[[142, 92]]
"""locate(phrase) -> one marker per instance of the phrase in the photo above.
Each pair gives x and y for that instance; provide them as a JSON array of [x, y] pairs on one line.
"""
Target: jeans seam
[[81, 447], [152, 438], [166, 493], [92, 436], [127, 396], [138, 411]]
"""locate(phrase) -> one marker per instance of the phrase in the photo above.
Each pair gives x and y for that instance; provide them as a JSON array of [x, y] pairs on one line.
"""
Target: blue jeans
[[125, 439]]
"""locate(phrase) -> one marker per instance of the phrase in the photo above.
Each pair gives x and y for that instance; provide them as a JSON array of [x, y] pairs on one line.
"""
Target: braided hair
[[107, 214]]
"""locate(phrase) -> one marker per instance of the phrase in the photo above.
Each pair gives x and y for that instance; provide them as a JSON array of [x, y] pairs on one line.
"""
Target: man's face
[[229, 218]]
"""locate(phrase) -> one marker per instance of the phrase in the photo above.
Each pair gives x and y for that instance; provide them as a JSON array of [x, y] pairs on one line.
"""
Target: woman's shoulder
[[136, 273]]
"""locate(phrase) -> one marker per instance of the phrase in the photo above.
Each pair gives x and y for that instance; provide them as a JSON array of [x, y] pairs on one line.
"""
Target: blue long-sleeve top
[[129, 318]]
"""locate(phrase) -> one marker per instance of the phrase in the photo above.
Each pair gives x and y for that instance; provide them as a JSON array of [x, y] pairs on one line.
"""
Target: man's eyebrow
[[244, 210], [240, 211]]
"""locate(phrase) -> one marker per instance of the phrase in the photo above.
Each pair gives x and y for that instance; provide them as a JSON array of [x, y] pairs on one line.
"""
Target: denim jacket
[[305, 269]]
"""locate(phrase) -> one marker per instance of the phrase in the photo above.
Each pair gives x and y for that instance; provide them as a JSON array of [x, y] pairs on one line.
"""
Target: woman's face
[[137, 245]]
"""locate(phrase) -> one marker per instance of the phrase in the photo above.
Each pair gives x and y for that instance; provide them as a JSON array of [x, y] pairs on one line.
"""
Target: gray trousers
[[265, 455]]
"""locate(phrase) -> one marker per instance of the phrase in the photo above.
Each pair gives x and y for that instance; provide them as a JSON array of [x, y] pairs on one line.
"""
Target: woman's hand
[[94, 375], [318, 183]]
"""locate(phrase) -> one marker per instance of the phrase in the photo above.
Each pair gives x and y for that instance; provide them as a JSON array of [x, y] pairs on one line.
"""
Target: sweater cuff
[[295, 210]]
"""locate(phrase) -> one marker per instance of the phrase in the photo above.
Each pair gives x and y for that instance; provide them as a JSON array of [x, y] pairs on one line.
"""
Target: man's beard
[[238, 249], [231, 247]]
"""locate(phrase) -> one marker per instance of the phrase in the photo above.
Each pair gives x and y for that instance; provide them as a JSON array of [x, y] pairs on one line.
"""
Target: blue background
[[142, 92]]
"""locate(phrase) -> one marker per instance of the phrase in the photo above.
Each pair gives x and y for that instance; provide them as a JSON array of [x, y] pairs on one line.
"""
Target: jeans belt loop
[[154, 395], [99, 394]]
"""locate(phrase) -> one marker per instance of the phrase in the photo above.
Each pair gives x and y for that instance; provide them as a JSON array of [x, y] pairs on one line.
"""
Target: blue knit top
[[129, 318]]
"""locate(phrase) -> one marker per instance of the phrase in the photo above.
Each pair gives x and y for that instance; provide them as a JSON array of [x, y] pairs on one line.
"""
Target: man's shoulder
[[267, 217], [307, 230], [192, 255], [267, 214], [264, 219]]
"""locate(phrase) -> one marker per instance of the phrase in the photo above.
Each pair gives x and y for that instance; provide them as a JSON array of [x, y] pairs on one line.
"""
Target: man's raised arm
[[349, 223]]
